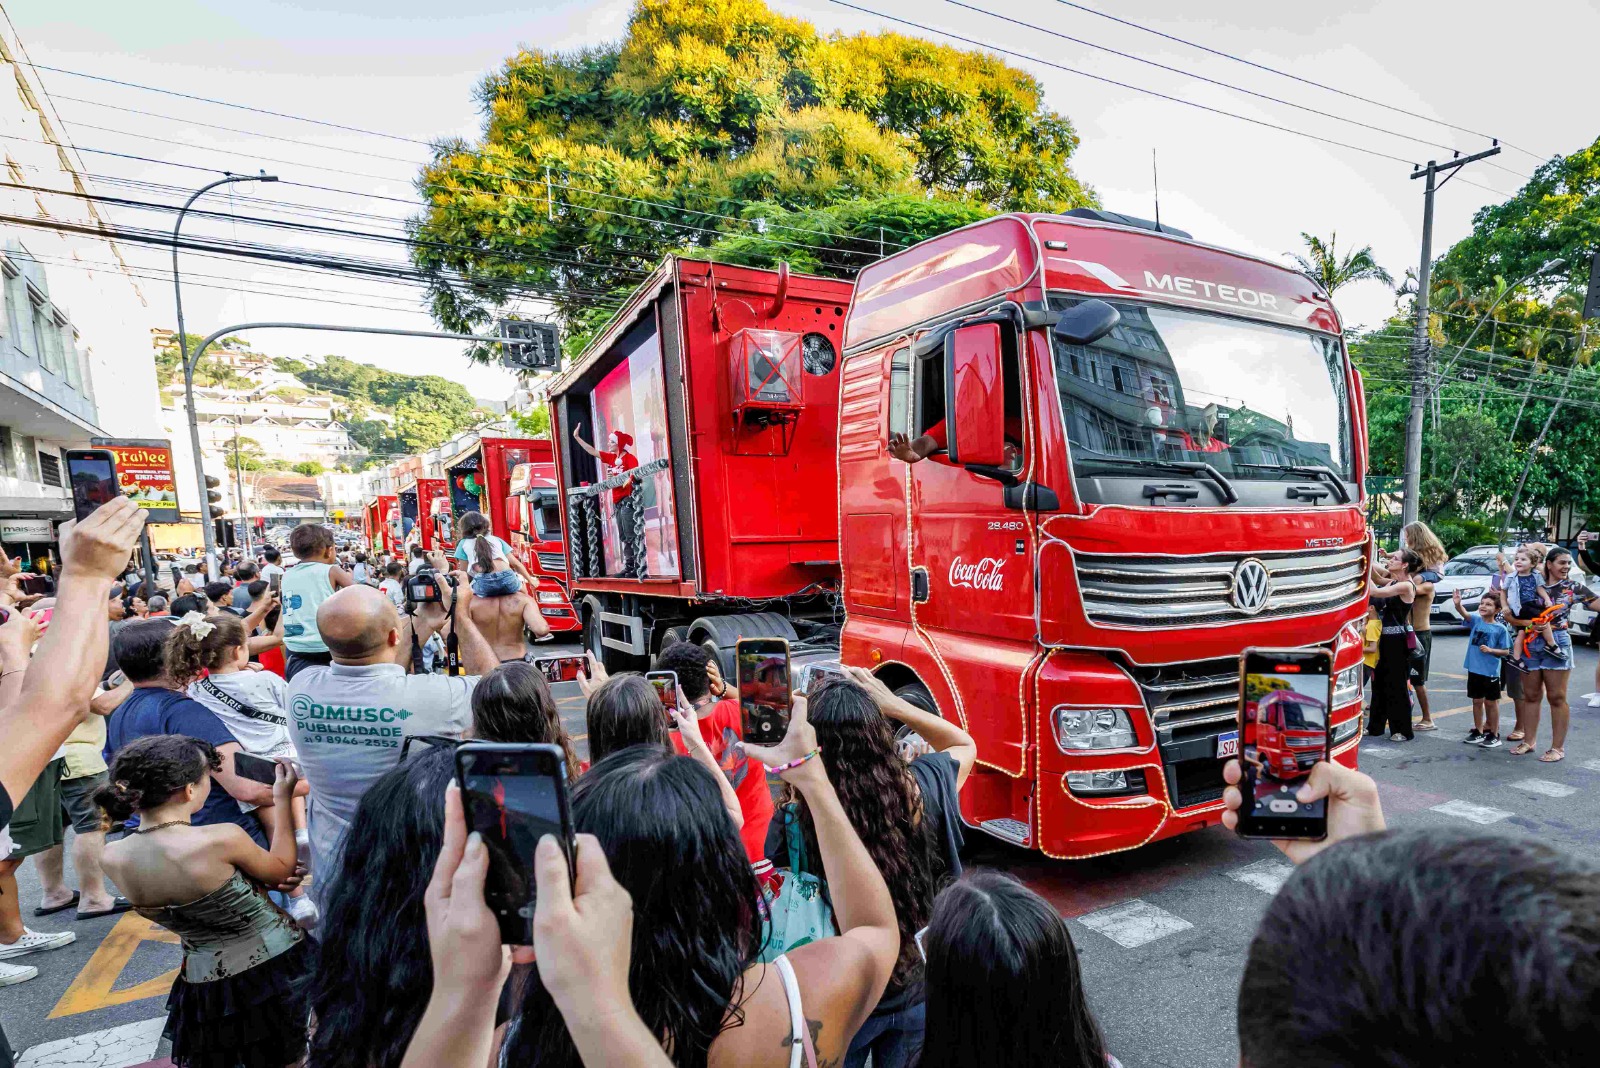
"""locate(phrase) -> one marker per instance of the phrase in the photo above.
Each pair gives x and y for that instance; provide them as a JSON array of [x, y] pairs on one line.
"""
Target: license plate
[[1228, 744]]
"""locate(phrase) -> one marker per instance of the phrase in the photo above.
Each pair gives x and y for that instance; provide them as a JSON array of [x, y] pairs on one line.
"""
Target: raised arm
[[944, 736], [275, 864], [577, 435], [695, 743], [52, 702]]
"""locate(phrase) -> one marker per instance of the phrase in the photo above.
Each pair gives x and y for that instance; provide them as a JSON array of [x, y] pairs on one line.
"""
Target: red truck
[[378, 518], [1135, 456], [1289, 729], [496, 476]]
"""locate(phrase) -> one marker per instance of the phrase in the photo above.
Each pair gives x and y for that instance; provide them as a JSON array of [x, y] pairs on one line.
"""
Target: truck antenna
[[1155, 182]]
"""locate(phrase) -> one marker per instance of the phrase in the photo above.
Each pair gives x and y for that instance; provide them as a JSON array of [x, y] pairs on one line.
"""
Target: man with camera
[[350, 718]]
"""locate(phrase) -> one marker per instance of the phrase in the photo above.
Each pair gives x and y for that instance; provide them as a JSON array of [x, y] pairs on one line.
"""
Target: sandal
[[1515, 736], [1427, 725], [1552, 755], [1521, 749]]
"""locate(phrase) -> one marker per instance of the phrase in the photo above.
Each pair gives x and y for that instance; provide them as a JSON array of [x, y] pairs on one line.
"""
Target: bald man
[[350, 718]]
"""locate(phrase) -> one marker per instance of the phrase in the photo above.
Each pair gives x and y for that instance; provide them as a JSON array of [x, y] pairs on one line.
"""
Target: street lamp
[[206, 529]]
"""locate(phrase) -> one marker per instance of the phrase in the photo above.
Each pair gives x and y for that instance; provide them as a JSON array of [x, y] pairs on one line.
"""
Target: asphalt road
[[1162, 932]]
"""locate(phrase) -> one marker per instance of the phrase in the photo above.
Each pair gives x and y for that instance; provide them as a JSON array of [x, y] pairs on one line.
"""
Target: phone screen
[[275, 582], [514, 795], [813, 674], [258, 769], [93, 475], [666, 686], [1284, 699], [763, 665], [561, 668]]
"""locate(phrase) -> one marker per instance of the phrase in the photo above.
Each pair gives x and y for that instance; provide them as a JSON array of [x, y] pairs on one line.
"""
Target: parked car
[[1471, 573]]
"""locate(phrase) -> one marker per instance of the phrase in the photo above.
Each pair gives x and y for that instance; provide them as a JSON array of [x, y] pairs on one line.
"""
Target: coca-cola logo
[[986, 574]]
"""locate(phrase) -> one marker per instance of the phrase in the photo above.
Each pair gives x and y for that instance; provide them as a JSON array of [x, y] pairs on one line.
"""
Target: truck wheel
[[907, 742], [717, 635]]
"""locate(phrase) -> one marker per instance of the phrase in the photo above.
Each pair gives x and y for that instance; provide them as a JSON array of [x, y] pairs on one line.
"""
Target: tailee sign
[[144, 474], [986, 574]]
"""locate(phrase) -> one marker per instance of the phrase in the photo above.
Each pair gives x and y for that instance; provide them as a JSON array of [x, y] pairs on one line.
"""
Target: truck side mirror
[[974, 390], [1086, 323]]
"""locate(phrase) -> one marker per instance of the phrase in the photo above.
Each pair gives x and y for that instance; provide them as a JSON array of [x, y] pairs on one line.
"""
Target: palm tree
[[1328, 269]]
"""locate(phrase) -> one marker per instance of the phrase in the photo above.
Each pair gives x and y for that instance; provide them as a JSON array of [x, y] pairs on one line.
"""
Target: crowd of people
[[802, 904], [1519, 642]]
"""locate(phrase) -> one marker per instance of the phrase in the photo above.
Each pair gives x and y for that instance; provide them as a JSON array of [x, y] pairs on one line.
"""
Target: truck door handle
[[1179, 490], [919, 585]]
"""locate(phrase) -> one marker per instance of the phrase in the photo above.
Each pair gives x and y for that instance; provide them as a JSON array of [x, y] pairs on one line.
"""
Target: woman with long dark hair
[[694, 975], [1550, 658], [906, 815], [513, 704], [373, 972], [1391, 703], [495, 569], [1004, 988]]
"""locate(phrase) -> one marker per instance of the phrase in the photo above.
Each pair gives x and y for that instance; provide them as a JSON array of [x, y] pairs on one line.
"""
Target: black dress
[[1391, 701]]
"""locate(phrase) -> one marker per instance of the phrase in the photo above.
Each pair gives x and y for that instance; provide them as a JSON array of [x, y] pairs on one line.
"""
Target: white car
[[1470, 573]]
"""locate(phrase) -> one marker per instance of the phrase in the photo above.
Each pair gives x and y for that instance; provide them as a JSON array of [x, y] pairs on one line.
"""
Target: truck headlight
[[1343, 732], [1347, 686], [1093, 728], [549, 597], [1106, 782]]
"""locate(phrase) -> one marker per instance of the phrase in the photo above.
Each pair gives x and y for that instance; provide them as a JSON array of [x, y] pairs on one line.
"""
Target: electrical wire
[[1293, 77]]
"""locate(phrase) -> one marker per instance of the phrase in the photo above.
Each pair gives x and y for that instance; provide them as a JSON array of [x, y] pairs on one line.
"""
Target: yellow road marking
[[92, 989]]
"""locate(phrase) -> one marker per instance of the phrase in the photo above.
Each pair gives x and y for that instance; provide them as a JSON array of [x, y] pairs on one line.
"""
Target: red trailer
[[378, 518], [431, 493], [484, 478], [712, 511]]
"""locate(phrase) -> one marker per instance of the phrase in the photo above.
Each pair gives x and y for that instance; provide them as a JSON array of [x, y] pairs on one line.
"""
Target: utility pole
[[238, 489], [1421, 382]]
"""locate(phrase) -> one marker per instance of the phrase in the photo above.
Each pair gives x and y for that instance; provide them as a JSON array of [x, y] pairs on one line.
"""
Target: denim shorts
[[1541, 658], [497, 584]]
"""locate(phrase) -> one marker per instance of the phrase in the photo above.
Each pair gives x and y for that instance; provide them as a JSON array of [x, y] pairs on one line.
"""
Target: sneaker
[[1491, 740], [12, 974], [36, 942], [305, 912], [1474, 736], [1593, 699]]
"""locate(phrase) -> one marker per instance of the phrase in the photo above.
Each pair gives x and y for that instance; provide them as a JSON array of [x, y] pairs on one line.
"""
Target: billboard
[[144, 474], [631, 403]]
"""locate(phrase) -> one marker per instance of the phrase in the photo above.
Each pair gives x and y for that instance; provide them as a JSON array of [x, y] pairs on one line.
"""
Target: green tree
[[251, 456], [310, 468], [706, 117], [1333, 271], [533, 423]]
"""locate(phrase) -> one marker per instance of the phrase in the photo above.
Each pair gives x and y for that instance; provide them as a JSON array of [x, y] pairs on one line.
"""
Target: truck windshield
[[1300, 716], [1254, 401]]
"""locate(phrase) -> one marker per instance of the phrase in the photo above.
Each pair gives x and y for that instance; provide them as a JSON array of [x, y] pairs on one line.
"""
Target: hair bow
[[198, 625]]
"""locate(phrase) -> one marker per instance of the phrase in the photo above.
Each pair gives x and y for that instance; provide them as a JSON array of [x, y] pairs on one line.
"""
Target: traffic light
[[530, 345], [214, 496]]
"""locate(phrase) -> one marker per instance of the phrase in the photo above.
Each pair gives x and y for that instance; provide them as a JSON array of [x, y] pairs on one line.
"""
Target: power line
[[1293, 77], [1203, 78], [1138, 88]]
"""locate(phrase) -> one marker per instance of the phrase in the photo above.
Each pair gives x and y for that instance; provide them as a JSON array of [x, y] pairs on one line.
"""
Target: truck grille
[[1191, 591], [552, 561], [1191, 704]]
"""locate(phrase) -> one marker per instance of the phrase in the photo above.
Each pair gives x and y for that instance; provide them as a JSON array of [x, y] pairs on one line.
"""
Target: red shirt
[[723, 732], [619, 463]]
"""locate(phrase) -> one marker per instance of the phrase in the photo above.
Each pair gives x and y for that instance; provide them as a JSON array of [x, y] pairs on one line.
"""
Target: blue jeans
[[497, 584], [892, 1038]]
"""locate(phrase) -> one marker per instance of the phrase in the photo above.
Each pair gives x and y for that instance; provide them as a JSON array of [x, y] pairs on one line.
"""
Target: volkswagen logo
[[1251, 586]]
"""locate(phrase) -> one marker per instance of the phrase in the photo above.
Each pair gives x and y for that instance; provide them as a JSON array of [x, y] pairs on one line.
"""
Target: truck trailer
[[1134, 456]]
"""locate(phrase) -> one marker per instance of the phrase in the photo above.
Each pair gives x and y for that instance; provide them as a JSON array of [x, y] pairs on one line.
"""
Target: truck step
[[1008, 830]]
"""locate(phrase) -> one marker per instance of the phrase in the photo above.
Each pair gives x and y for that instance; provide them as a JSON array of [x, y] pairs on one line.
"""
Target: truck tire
[[717, 635], [907, 742]]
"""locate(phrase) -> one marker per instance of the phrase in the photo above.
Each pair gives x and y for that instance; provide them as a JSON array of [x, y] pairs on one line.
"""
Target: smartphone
[[1284, 698], [813, 673], [515, 794], [763, 670], [562, 668], [275, 582], [92, 474], [257, 769], [666, 684]]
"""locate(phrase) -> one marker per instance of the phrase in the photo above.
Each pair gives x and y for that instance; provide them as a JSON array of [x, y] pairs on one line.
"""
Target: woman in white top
[[698, 982], [495, 570]]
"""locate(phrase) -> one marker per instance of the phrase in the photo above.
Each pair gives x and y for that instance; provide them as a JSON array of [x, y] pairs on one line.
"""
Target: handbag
[[793, 901]]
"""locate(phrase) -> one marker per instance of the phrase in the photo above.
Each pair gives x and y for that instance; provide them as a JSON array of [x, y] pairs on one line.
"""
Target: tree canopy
[[724, 128], [1333, 271]]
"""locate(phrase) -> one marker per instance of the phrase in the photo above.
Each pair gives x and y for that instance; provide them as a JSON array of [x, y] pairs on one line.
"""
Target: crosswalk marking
[[114, 1047], [1466, 810], [1545, 787], [1592, 765], [1384, 751], [1134, 923], [1268, 875]]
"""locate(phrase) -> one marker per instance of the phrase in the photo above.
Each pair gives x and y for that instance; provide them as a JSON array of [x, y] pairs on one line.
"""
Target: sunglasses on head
[[432, 741]]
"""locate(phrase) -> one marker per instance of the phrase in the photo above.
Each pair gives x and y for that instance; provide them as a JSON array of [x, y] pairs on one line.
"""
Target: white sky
[[398, 66]]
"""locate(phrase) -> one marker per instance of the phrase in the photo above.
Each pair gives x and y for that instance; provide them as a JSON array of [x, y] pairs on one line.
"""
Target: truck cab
[[1289, 728], [1139, 455]]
